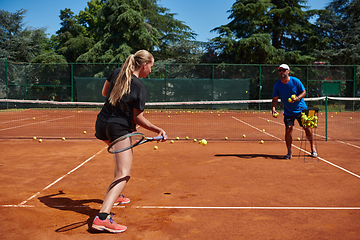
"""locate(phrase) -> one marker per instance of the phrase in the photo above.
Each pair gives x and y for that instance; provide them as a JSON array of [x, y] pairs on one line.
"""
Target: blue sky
[[201, 16]]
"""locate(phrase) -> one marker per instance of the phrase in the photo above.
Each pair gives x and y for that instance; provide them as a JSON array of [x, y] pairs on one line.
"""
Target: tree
[[263, 31], [18, 43], [340, 28], [71, 40], [122, 27]]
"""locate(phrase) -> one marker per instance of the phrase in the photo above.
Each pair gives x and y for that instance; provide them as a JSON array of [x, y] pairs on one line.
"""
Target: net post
[[72, 81], [326, 117], [25, 83]]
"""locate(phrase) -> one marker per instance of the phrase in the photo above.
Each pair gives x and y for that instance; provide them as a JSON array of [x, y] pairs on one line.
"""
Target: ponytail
[[123, 79]]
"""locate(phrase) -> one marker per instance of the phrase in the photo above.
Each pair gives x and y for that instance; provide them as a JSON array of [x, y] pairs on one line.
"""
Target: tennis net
[[211, 120]]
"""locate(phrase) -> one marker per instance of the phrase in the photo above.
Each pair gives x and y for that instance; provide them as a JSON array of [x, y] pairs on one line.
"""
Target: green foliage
[[71, 41], [340, 29], [262, 31], [16, 43]]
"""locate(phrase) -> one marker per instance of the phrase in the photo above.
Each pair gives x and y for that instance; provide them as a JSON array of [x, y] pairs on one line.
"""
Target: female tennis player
[[123, 109]]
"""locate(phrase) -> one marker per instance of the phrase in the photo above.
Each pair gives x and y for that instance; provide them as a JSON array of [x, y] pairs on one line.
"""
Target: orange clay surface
[[224, 190]]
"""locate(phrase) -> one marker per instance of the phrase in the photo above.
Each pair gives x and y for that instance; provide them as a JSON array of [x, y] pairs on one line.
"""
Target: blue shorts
[[290, 120]]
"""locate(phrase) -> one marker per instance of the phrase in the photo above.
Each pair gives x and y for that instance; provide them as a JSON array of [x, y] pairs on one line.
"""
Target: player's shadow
[[251, 156], [78, 206]]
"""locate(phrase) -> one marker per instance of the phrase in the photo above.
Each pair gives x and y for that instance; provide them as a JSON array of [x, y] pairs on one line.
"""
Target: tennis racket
[[130, 140]]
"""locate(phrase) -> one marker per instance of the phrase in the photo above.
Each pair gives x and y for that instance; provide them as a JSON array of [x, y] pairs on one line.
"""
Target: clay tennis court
[[229, 189]]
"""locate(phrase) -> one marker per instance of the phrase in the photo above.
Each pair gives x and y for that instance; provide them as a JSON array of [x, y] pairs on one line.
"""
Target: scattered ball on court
[[34, 118], [244, 136], [298, 139], [263, 130], [156, 147], [262, 141], [172, 141], [195, 140], [40, 141], [34, 138], [186, 137], [226, 138], [63, 138], [350, 117], [203, 142], [84, 132], [177, 138], [268, 120]]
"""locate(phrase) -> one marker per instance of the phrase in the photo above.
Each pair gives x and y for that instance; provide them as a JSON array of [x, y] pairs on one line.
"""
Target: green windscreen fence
[[89, 89]]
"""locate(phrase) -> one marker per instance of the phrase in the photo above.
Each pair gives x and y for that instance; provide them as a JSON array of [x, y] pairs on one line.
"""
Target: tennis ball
[[263, 130], [244, 136], [276, 115], [34, 118], [289, 100], [156, 147], [187, 137], [226, 138], [298, 139], [172, 141], [268, 120], [40, 141], [350, 117], [195, 139], [293, 97], [203, 142], [262, 141], [34, 138], [63, 138], [177, 138], [84, 132]]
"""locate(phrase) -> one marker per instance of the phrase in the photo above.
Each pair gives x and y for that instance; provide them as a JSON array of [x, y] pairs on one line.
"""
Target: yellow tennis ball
[[172, 141], [187, 137], [289, 100], [293, 97], [262, 141], [34, 138], [84, 132], [156, 147], [195, 139], [226, 138], [244, 136], [298, 139], [40, 141], [34, 118], [263, 130], [63, 138], [177, 138], [276, 114]]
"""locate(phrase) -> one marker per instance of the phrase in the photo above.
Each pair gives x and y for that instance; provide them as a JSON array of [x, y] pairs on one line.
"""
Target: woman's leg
[[122, 173]]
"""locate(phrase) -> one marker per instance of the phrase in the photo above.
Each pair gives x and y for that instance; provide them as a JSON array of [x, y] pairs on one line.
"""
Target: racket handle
[[157, 138]]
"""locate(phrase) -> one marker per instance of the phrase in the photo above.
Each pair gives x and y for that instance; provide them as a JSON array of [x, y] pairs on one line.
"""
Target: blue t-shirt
[[284, 92]]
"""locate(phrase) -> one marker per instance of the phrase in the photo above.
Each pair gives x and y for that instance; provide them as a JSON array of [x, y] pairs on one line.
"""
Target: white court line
[[18, 120], [299, 129], [36, 194], [332, 164], [251, 208], [36, 123]]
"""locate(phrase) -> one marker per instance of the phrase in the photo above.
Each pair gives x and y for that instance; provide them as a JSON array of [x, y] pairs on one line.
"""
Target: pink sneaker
[[108, 224], [121, 200]]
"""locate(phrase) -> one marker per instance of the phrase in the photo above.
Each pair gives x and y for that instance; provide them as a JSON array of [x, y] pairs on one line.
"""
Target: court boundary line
[[249, 208], [328, 162], [59, 179], [4, 129], [197, 208]]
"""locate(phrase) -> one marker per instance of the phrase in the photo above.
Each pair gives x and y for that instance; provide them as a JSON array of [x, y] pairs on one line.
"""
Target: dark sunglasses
[[282, 70]]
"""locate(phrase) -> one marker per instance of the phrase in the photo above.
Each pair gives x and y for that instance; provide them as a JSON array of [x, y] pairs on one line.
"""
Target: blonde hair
[[123, 80]]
